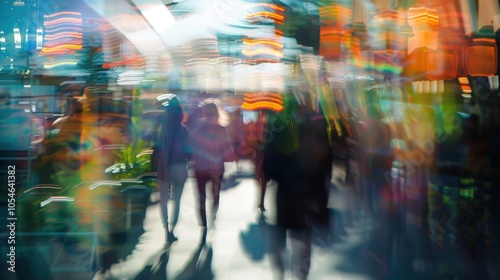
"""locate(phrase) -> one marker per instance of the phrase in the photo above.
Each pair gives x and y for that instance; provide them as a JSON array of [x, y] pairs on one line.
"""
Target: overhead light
[[2, 41], [39, 38], [17, 38], [18, 3]]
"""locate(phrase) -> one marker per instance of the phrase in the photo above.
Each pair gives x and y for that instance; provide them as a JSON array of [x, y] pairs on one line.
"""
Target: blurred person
[[105, 123], [376, 158], [236, 131], [62, 149], [418, 158], [170, 163], [255, 141], [209, 148], [375, 136], [298, 158], [457, 202], [474, 222], [259, 159]]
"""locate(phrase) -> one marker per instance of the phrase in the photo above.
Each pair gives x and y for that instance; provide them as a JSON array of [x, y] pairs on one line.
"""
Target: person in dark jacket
[[298, 158], [171, 163]]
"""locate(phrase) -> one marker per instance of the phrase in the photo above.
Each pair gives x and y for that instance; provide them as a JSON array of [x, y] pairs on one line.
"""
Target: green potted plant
[[132, 170]]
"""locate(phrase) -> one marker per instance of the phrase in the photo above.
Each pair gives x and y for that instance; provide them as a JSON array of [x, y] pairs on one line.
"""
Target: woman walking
[[171, 164], [209, 148]]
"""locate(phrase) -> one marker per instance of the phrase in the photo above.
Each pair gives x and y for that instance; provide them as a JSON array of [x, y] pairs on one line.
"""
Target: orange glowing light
[[277, 17], [427, 64], [260, 101], [334, 37], [254, 99], [480, 58], [62, 47], [253, 42], [262, 106]]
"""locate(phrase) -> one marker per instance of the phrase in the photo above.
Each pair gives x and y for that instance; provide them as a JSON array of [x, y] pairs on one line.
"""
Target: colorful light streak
[[64, 21], [263, 101], [63, 35], [49, 65], [278, 19], [265, 42], [265, 52], [65, 48]]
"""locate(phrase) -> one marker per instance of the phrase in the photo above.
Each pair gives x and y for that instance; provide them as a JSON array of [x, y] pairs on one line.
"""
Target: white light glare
[[56, 199], [17, 38], [39, 38], [103, 183], [2, 41], [166, 96]]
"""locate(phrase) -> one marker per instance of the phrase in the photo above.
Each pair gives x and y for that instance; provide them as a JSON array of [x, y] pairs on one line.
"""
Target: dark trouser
[[202, 178], [300, 243]]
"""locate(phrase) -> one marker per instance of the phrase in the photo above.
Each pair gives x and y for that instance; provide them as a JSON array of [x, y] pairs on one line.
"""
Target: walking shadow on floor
[[254, 239], [157, 270], [199, 266], [232, 179]]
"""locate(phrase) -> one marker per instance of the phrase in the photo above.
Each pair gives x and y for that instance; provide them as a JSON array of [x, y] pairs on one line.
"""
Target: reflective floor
[[238, 245], [393, 240]]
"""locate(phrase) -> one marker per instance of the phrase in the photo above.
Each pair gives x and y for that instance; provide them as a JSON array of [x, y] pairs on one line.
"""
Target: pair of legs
[[172, 190], [292, 229], [300, 245], [202, 179]]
